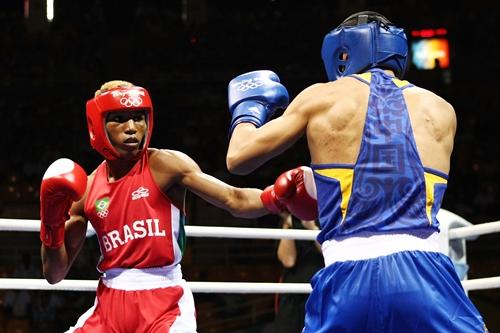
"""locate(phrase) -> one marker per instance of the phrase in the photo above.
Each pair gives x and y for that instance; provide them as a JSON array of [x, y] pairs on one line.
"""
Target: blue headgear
[[371, 41]]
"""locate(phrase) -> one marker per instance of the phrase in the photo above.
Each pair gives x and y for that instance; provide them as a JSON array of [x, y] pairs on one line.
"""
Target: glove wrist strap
[[52, 236]]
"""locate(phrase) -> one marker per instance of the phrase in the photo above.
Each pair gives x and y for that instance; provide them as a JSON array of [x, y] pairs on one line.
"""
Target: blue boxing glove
[[254, 97]]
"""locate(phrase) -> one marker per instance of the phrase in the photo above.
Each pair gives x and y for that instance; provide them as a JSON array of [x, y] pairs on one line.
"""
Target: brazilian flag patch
[[101, 207]]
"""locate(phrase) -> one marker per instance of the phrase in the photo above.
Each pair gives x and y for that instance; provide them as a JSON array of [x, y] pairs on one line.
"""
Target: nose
[[130, 127]]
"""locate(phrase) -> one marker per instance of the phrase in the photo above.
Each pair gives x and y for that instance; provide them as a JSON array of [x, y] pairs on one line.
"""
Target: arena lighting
[[26, 8], [430, 48], [50, 10], [429, 33]]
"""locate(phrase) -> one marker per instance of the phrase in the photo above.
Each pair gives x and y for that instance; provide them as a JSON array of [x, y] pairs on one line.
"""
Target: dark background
[[185, 53]]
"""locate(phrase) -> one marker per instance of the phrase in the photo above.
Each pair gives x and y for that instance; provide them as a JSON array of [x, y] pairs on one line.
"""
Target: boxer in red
[[135, 202]]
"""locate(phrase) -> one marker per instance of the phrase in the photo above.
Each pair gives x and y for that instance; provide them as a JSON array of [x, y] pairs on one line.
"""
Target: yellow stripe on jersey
[[365, 76], [345, 178], [400, 83], [431, 180], [368, 76]]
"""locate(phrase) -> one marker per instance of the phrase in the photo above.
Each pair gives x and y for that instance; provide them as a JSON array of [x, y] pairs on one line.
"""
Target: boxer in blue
[[380, 154]]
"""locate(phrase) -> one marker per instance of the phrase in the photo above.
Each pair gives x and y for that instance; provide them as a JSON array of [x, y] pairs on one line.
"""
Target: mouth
[[131, 143]]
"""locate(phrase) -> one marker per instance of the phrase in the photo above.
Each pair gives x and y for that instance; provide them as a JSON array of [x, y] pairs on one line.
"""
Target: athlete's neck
[[116, 169]]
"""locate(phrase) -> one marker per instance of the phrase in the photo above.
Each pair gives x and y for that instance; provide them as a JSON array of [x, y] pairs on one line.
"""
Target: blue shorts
[[404, 292]]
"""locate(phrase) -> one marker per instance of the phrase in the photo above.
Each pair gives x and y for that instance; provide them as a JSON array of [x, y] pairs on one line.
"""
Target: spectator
[[300, 259]]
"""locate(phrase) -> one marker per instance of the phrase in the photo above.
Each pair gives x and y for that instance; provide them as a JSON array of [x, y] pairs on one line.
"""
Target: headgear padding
[[371, 41], [117, 99]]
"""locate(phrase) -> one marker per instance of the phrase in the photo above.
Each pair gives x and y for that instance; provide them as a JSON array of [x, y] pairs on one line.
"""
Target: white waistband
[[142, 278], [361, 248]]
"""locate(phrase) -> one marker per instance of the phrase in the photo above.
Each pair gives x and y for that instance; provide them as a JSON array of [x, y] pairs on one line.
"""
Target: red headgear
[[117, 99]]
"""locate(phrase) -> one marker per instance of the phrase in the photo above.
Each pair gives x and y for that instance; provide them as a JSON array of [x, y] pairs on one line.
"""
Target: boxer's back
[[334, 133], [369, 173]]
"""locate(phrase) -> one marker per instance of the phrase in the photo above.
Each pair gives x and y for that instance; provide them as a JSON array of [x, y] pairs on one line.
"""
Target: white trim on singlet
[[142, 279], [175, 217], [361, 248]]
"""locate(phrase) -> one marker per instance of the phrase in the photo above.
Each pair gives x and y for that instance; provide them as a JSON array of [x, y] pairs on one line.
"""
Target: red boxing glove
[[295, 190], [271, 203], [63, 182]]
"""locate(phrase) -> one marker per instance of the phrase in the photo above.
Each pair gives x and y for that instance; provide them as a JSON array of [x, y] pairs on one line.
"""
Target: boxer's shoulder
[[170, 161], [323, 96], [426, 102]]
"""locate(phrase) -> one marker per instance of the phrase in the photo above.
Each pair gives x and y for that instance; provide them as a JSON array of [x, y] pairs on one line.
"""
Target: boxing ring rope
[[257, 233], [191, 231], [467, 232], [210, 287], [475, 230], [196, 287]]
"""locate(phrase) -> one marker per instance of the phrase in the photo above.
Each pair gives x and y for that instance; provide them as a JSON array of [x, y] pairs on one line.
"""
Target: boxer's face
[[126, 131]]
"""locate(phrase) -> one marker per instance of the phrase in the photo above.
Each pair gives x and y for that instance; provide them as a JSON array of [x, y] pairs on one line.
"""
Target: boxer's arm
[[287, 251], [241, 202], [250, 147], [56, 262]]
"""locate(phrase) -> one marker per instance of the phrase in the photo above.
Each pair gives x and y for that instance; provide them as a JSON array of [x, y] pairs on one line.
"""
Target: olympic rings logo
[[103, 214], [129, 98], [131, 101], [249, 84]]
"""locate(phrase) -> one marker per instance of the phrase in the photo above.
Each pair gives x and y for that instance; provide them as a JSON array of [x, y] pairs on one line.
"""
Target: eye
[[115, 118], [139, 117]]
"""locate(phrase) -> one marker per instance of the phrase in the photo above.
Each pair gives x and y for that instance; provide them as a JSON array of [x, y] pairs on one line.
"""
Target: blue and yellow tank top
[[387, 190]]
